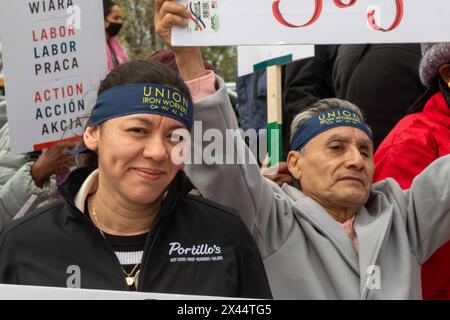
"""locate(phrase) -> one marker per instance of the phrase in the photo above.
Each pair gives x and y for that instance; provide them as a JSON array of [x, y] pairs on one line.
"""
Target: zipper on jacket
[[149, 246], [108, 246], [147, 250], [144, 258]]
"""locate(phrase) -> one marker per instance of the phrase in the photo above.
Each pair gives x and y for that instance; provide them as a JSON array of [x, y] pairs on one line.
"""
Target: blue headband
[[325, 121], [142, 98]]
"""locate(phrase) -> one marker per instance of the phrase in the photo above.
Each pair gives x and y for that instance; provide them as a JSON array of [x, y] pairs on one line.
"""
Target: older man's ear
[[294, 164]]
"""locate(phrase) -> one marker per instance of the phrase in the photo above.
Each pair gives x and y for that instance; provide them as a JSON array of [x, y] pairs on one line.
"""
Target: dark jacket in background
[[252, 100], [381, 79]]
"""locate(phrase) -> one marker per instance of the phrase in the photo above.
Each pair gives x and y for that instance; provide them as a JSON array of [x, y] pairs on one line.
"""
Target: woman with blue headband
[[127, 220], [338, 236]]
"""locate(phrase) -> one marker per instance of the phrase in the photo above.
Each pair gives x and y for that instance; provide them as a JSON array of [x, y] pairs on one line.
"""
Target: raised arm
[[427, 204], [240, 184]]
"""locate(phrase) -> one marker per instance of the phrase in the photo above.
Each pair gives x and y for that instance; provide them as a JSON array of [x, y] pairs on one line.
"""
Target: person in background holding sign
[[338, 236], [25, 182], [418, 140], [113, 24], [127, 220]]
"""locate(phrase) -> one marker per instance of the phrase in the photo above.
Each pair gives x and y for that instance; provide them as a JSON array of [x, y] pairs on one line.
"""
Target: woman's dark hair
[[143, 71], [139, 71], [438, 85], [107, 7]]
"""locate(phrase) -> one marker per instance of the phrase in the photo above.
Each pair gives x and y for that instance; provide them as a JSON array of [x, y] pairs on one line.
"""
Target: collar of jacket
[[371, 229], [177, 190], [311, 211], [437, 109]]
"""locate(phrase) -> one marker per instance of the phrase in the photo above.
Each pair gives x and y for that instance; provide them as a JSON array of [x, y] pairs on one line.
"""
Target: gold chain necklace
[[128, 276]]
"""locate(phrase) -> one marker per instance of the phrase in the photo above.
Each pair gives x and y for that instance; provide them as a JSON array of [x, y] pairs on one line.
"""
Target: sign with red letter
[[269, 22]]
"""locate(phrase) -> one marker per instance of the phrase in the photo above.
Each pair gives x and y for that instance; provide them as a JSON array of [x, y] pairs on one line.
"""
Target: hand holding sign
[[53, 161], [170, 14], [280, 175]]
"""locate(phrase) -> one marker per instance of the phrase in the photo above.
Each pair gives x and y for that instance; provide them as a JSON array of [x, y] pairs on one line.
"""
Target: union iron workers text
[[341, 4]]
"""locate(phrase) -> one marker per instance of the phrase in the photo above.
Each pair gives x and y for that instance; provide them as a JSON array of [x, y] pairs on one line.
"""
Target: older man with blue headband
[[337, 236]]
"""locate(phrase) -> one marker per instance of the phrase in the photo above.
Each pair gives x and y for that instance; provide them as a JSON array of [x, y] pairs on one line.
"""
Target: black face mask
[[114, 29]]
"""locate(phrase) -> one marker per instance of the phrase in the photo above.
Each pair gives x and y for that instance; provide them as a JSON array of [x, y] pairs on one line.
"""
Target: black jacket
[[40, 248], [381, 79]]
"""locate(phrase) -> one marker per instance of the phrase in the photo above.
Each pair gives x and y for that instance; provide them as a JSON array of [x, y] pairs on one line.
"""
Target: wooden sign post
[[274, 114], [255, 58]]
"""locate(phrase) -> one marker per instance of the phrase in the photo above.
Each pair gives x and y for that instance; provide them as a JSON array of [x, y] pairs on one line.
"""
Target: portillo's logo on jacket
[[195, 253]]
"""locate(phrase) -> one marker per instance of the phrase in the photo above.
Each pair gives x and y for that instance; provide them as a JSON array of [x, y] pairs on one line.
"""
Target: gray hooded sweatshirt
[[309, 255]]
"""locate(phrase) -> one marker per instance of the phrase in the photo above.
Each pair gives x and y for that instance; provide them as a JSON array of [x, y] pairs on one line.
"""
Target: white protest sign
[[268, 22], [14, 292], [253, 58], [54, 56]]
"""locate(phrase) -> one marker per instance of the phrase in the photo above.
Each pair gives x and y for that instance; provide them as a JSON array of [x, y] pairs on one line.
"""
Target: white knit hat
[[434, 55]]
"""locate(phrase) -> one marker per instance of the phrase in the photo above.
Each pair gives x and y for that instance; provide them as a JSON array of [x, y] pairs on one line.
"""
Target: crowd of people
[[359, 207]]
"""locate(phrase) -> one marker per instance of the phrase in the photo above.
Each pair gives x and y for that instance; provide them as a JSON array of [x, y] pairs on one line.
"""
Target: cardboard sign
[[269, 22], [13, 292], [253, 58], [54, 56]]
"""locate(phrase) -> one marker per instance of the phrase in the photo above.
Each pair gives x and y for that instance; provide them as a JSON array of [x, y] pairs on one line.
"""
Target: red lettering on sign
[[395, 24], [343, 5], [318, 5], [280, 18]]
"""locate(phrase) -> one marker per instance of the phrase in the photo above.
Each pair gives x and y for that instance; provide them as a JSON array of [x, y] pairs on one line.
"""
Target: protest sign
[[269, 22], [54, 56], [15, 292], [253, 58]]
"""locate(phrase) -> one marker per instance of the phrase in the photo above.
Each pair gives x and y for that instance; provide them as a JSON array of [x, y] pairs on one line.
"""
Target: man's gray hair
[[322, 106]]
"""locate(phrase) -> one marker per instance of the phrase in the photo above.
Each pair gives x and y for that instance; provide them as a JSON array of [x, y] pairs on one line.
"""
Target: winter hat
[[434, 55]]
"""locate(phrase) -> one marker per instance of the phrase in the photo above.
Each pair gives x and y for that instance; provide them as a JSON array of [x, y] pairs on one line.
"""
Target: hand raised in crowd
[[170, 14], [54, 160], [281, 177]]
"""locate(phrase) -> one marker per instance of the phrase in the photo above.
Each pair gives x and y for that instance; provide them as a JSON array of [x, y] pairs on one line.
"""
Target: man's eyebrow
[[364, 142], [341, 138], [338, 137]]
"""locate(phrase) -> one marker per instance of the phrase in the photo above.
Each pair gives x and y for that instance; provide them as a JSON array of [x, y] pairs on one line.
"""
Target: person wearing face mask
[[113, 24]]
